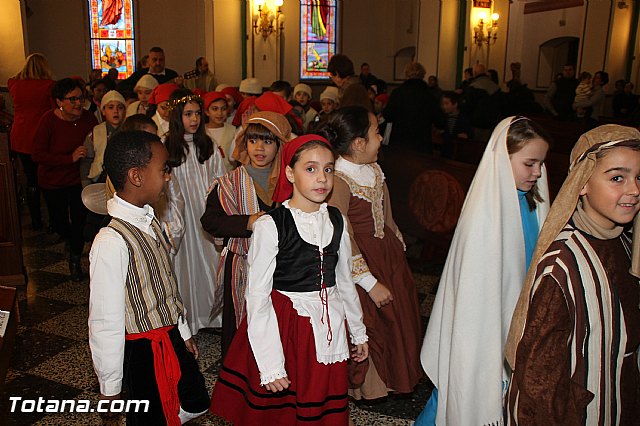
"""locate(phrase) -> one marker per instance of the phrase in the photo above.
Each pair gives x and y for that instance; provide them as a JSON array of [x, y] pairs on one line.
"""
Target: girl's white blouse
[[264, 336]]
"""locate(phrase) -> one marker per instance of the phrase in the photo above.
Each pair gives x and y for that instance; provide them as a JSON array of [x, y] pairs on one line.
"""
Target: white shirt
[[163, 125], [108, 265], [264, 336]]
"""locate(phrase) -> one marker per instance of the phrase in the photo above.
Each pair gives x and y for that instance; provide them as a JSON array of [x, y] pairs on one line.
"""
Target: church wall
[[12, 48], [58, 30]]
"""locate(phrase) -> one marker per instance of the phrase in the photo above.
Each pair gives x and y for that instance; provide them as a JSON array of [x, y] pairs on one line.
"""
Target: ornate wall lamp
[[266, 21], [486, 32]]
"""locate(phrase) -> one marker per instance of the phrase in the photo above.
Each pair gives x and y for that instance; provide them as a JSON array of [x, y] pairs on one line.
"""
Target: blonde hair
[[414, 70], [35, 67]]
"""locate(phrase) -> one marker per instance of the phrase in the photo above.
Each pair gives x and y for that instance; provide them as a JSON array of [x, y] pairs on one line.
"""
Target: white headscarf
[[485, 268]]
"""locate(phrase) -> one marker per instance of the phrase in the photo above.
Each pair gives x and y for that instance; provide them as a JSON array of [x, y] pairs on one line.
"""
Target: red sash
[[167, 369]]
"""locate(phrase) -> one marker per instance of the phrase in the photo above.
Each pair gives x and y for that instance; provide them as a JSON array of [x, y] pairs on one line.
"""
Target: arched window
[[112, 36], [318, 27]]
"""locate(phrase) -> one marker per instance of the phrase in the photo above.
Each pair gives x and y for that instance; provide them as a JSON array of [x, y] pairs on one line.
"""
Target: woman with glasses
[[30, 90], [57, 148]]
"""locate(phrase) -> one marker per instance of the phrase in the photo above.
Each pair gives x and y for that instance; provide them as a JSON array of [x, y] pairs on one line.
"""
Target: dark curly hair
[[175, 143], [126, 150], [64, 86], [346, 124]]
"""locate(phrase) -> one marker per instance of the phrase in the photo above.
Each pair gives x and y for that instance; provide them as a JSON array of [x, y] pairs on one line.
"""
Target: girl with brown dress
[[385, 284]]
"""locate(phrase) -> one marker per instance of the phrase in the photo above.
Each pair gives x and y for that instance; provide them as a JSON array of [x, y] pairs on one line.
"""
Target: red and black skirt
[[317, 394]]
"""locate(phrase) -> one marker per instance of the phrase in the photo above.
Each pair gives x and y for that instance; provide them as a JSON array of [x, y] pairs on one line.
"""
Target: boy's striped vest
[[152, 299]]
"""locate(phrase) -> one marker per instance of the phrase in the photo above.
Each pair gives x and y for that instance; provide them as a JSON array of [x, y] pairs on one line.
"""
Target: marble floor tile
[[73, 292], [34, 347], [72, 367], [71, 324]]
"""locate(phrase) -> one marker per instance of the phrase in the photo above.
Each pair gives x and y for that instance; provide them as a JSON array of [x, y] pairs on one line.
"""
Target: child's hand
[[380, 295], [192, 347], [252, 220], [278, 385], [360, 352], [78, 153]]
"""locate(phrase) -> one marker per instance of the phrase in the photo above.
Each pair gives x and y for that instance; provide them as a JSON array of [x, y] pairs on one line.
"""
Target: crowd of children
[[267, 215]]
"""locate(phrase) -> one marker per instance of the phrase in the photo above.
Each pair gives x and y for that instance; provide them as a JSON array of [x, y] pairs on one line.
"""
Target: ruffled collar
[[306, 215], [362, 174]]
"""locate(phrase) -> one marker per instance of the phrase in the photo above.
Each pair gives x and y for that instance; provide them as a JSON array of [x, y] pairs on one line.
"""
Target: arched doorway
[[553, 55]]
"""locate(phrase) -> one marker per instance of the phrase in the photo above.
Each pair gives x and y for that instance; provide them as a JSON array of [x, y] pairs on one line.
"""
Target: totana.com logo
[[41, 405]]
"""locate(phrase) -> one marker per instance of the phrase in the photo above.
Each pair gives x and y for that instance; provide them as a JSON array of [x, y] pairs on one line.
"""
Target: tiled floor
[[51, 358]]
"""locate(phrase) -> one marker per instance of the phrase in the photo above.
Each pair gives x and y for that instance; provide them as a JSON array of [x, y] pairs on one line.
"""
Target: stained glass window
[[112, 36], [318, 25]]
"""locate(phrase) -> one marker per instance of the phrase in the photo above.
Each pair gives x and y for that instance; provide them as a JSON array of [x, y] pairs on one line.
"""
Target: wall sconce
[[486, 32], [265, 22]]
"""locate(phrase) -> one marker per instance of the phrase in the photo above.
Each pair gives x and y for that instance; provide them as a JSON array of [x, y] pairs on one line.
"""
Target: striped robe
[[569, 361]]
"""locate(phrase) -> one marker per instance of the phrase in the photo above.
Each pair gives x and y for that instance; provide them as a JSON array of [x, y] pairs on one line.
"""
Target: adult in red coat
[[58, 146], [30, 90]]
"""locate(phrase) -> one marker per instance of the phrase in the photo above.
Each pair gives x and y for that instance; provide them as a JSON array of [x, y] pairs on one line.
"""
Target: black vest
[[298, 267]]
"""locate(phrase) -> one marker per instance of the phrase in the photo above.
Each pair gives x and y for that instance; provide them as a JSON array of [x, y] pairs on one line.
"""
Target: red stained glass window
[[112, 36], [318, 25]]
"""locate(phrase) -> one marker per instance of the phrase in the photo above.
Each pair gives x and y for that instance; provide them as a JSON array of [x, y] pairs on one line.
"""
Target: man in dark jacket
[[412, 109], [156, 69], [559, 98]]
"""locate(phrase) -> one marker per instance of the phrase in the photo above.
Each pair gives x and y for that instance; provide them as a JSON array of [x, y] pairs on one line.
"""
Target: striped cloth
[[598, 337], [237, 195], [152, 298]]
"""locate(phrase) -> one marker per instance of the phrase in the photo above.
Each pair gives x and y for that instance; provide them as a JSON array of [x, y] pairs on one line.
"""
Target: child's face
[[610, 196], [372, 144], [328, 106], [302, 97], [217, 113], [448, 107], [98, 92], [155, 174], [164, 111], [113, 113], [586, 80], [526, 164], [261, 152], [231, 103], [191, 117], [312, 178], [143, 95]]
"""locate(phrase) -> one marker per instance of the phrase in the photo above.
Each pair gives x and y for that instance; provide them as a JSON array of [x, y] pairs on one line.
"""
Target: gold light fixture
[[486, 32], [265, 21]]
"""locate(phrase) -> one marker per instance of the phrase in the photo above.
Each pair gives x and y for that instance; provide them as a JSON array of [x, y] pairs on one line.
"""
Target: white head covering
[[221, 86], [147, 81], [331, 92], [112, 95], [304, 88], [251, 86], [485, 268]]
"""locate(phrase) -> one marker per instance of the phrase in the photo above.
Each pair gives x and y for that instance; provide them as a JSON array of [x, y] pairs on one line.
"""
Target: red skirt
[[317, 394]]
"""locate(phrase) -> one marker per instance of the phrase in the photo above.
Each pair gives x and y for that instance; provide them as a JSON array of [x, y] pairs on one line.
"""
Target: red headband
[[284, 188], [269, 101], [211, 97], [244, 105], [162, 92]]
